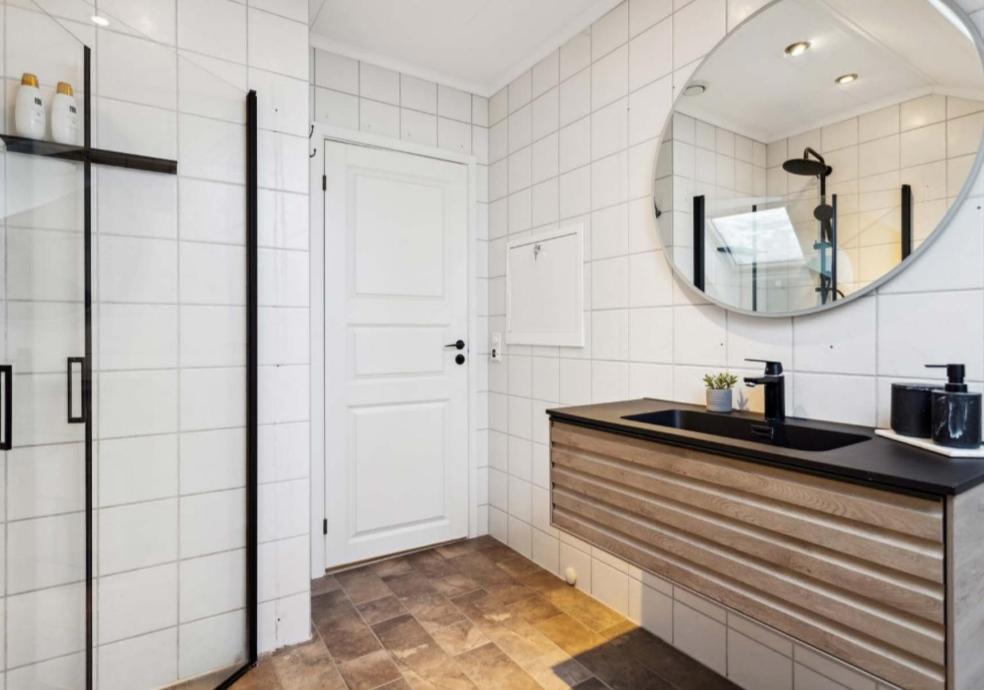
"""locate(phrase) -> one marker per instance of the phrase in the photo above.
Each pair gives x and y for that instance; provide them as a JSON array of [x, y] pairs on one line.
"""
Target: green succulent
[[720, 381]]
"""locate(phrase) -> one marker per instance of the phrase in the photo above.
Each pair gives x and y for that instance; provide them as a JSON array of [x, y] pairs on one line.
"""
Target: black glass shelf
[[51, 149]]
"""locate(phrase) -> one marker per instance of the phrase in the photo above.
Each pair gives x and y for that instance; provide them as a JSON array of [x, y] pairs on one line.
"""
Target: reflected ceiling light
[[846, 78], [694, 88], [99, 21], [798, 48]]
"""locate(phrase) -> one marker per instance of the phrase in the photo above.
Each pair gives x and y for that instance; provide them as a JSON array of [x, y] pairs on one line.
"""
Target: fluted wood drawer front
[[856, 572]]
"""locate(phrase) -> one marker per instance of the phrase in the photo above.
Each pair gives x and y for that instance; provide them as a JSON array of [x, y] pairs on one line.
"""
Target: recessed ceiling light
[[694, 89], [798, 48], [99, 21], [846, 78]]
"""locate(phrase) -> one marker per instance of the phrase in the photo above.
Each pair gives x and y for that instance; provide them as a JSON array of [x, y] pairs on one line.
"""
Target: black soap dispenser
[[956, 413]]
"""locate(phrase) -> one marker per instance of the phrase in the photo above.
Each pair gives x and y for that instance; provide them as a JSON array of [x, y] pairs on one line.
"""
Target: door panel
[[396, 288]]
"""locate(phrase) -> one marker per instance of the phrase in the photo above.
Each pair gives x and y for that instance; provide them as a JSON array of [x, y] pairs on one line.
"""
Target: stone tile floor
[[472, 615]]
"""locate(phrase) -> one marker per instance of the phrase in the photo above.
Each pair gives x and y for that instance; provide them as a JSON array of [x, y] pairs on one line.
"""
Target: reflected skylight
[[766, 237]]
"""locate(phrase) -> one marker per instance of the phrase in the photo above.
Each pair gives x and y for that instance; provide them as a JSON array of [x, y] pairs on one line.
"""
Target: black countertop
[[876, 462]]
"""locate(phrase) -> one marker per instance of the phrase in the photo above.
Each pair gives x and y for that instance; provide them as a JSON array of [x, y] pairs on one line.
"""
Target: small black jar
[[912, 408]]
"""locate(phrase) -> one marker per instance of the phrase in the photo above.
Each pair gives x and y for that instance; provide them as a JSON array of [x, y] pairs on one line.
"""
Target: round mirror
[[818, 149]]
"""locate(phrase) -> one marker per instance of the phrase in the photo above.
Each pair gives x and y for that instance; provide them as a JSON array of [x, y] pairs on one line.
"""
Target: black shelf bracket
[[116, 159]]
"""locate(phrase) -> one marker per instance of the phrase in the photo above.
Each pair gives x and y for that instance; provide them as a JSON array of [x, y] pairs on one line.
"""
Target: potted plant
[[719, 391]]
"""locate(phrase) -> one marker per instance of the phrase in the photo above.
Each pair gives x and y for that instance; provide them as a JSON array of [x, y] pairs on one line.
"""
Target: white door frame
[[320, 133]]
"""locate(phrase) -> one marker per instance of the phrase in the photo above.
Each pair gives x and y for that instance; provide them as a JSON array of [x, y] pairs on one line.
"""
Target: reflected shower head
[[805, 166]]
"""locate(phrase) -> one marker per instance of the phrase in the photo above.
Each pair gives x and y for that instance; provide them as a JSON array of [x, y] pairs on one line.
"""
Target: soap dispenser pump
[[956, 412]]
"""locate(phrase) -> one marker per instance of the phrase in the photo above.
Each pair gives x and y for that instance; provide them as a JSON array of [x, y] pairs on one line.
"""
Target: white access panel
[[545, 288]]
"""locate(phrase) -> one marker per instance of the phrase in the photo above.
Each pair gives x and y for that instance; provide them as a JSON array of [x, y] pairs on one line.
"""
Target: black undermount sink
[[786, 435]]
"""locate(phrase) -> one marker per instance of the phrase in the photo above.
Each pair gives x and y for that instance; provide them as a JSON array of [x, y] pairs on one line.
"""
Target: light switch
[[495, 347]]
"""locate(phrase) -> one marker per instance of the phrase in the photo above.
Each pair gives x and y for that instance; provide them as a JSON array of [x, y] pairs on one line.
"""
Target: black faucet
[[775, 390]]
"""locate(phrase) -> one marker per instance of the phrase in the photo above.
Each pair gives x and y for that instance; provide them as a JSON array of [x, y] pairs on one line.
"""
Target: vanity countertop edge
[[877, 462]]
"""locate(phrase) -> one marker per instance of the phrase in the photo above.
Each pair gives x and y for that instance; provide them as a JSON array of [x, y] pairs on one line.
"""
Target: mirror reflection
[[817, 148]]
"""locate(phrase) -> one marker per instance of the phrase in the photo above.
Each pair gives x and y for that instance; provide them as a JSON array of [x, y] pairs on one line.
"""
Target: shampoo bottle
[[64, 115], [956, 412], [29, 116]]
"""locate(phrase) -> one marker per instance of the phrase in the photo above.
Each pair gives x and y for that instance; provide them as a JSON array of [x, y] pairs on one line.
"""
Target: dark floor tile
[[344, 632], [398, 684], [445, 678], [543, 582], [392, 566], [482, 569], [362, 585], [400, 632], [459, 637], [490, 669], [433, 610], [307, 667], [408, 584], [507, 593], [261, 677], [455, 584], [324, 585], [569, 634], [591, 684], [456, 549], [380, 610], [369, 671]]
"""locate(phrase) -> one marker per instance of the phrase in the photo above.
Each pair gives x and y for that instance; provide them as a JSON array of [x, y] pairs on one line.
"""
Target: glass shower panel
[[170, 368], [42, 324]]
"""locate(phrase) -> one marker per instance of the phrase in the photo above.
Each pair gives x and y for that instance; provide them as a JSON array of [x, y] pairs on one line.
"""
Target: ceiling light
[[846, 78], [798, 48], [694, 89], [99, 21]]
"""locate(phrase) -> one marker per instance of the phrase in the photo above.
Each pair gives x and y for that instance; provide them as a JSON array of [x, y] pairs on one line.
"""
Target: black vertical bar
[[87, 363], [699, 242], [833, 249], [755, 272], [906, 221], [7, 370], [80, 418], [252, 376]]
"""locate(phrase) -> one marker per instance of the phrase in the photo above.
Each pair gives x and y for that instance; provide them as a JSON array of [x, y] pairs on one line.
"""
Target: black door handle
[[459, 359], [72, 419], [7, 371], [457, 344]]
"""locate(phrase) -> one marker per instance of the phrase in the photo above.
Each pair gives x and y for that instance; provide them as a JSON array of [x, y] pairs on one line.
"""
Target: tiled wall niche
[[575, 139], [365, 97], [169, 344]]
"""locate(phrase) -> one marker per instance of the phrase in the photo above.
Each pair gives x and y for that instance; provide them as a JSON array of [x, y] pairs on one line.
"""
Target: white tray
[[927, 444]]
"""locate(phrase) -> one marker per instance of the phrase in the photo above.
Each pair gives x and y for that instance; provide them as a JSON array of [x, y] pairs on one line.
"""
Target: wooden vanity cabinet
[[889, 582]]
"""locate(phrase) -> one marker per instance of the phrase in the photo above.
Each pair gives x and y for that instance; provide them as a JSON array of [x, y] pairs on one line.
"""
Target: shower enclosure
[[127, 363]]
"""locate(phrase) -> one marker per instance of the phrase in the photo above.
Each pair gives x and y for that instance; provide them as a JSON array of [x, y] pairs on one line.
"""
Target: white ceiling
[[900, 49], [474, 44]]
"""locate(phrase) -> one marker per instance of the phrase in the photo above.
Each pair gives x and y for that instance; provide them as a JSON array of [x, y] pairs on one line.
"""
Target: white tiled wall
[[575, 139], [169, 346], [361, 96]]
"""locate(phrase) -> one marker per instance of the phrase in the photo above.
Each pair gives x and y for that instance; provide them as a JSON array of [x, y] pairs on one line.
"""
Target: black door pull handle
[[457, 344], [459, 359], [7, 371], [73, 419]]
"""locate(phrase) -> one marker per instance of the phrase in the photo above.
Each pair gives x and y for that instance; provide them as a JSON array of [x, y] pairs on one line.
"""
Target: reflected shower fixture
[[798, 48], [825, 214]]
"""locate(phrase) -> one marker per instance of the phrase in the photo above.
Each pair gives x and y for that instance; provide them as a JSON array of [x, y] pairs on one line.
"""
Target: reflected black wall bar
[[906, 221], [87, 361], [252, 397], [699, 242], [755, 274], [833, 249]]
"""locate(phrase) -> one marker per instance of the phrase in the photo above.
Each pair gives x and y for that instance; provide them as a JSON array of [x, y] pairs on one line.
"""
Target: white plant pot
[[719, 400]]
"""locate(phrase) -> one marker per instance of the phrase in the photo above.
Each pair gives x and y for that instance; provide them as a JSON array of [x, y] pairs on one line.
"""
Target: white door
[[396, 400]]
